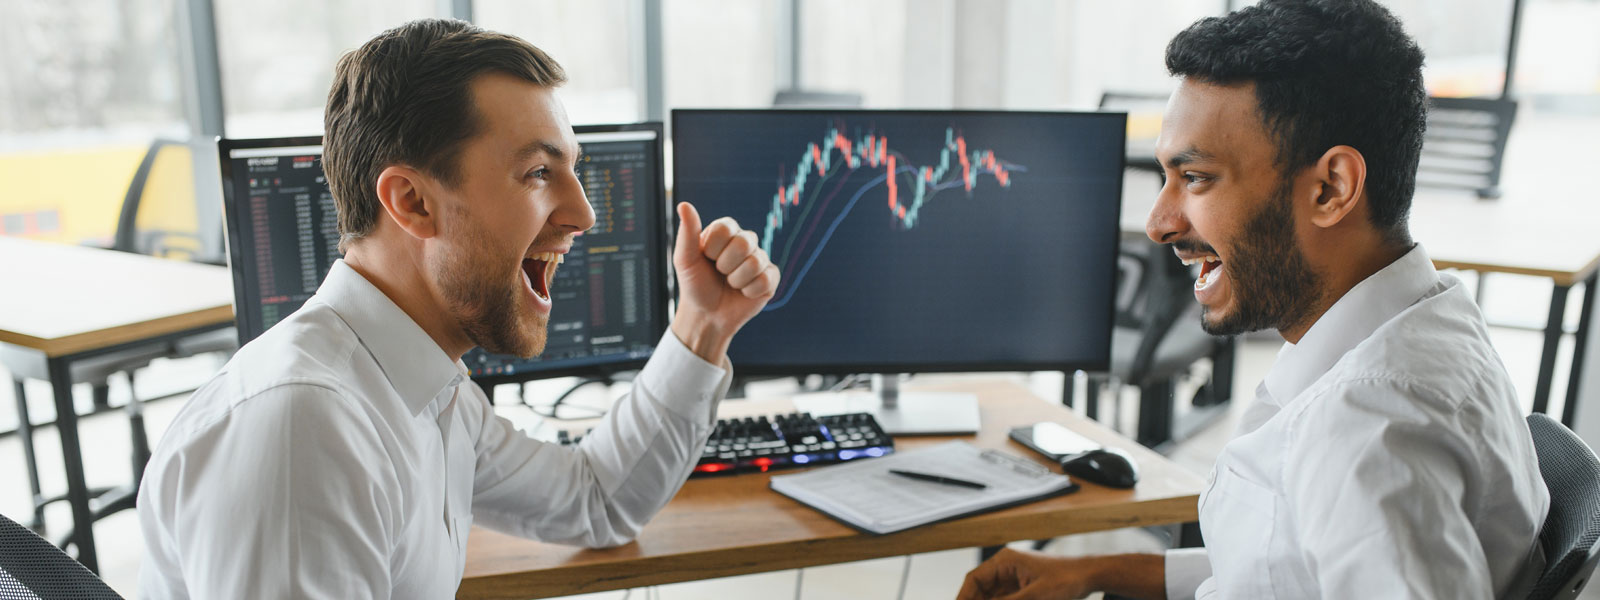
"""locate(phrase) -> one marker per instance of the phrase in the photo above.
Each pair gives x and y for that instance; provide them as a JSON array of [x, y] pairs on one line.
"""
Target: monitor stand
[[900, 413]]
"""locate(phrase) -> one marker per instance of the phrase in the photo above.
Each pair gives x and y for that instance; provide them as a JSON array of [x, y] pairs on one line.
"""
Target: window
[[719, 53], [1021, 54], [277, 57], [1078, 51], [1466, 56], [1558, 61], [86, 86], [862, 48], [594, 40]]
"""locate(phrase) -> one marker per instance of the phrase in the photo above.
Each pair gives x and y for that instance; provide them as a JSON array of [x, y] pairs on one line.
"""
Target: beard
[[1274, 286], [488, 303]]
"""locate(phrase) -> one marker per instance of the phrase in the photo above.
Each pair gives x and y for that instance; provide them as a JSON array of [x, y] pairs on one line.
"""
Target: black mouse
[[1106, 466]]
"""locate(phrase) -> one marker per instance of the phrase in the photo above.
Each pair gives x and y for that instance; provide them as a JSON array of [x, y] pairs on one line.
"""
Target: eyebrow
[[542, 147], [1189, 155]]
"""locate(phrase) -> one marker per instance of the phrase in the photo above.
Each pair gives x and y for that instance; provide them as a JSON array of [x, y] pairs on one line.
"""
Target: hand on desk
[[1017, 575], [724, 279]]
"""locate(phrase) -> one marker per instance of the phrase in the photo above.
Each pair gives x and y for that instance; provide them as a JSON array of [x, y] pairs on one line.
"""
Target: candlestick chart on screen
[[855, 173]]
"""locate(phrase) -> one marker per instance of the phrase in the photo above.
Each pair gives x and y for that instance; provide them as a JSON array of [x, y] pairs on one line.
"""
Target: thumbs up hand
[[724, 279]]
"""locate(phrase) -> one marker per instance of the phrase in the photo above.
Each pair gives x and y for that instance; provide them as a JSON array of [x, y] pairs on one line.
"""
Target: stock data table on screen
[[609, 297]]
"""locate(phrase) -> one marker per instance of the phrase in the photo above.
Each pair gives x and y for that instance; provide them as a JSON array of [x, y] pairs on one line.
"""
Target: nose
[[1166, 222], [573, 212]]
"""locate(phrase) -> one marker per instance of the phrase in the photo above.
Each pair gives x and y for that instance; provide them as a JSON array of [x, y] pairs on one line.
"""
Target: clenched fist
[[724, 279]]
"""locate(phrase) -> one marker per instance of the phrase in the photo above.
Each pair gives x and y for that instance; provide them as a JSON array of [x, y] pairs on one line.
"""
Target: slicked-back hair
[[405, 98], [1326, 73]]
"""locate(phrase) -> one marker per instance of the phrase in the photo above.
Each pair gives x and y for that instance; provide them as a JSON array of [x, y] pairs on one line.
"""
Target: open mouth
[[1210, 268], [539, 270]]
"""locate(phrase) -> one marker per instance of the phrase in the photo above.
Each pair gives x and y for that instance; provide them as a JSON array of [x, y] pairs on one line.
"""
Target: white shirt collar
[[413, 363], [1351, 319]]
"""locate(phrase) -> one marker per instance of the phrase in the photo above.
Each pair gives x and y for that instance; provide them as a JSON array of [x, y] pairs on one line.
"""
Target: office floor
[[1508, 300]]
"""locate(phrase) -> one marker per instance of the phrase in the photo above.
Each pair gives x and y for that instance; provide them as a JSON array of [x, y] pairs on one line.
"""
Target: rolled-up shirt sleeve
[[604, 490]]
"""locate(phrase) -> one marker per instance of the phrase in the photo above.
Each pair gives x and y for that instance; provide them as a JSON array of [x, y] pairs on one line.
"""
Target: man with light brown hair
[[345, 453]]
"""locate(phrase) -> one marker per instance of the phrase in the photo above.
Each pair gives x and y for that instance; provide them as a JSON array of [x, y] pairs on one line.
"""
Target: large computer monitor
[[610, 297], [917, 241]]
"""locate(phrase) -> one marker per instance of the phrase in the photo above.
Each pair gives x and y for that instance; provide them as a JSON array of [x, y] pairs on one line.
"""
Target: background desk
[[71, 302], [724, 526]]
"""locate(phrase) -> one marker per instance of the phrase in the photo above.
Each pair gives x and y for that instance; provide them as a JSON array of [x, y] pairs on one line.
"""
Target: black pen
[[939, 479]]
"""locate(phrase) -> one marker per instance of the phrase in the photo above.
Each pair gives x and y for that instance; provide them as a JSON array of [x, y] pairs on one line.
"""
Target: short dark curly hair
[[405, 97], [1326, 73]]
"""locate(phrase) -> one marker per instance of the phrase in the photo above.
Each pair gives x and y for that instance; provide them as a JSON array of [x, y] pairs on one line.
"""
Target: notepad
[[864, 495]]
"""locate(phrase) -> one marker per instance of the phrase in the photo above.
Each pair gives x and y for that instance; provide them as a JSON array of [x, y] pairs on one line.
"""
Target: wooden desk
[[1549, 236], [72, 302], [719, 527]]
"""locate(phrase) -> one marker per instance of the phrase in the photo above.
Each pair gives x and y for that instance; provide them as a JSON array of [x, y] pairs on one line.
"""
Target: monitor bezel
[[244, 323], [747, 368], [656, 234]]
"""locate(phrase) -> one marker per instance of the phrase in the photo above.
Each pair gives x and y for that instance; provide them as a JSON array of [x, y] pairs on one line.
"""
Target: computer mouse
[[1106, 466]]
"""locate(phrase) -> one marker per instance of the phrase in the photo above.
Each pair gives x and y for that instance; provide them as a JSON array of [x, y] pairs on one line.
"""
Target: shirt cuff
[[684, 383], [1186, 569]]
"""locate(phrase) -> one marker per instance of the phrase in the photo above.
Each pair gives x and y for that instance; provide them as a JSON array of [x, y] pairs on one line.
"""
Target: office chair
[[1144, 124], [28, 364], [798, 98], [1465, 144], [164, 242], [32, 569], [1157, 338], [97, 371], [131, 238], [1572, 528]]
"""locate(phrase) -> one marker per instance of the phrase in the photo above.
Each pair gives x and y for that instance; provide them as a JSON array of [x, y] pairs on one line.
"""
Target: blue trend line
[[825, 237], [840, 219]]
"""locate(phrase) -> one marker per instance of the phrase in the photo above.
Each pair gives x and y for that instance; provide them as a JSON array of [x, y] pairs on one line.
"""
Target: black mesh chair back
[[34, 569], [1141, 108], [1159, 299], [1573, 526], [1465, 143], [796, 98]]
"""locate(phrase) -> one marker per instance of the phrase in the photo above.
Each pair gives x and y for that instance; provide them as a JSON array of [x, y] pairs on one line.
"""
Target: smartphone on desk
[[1052, 440]]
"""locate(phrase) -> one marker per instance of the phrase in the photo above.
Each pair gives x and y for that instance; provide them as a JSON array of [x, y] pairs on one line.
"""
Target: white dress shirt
[[343, 455], [1385, 456]]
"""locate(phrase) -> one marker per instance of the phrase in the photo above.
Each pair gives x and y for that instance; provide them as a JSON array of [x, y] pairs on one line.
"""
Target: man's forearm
[[1132, 575]]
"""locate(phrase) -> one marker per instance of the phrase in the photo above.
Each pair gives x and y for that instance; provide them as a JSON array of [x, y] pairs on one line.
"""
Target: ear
[[400, 191], [1341, 178]]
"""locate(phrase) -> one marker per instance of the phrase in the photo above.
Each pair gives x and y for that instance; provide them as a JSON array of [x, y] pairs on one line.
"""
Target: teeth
[[1196, 261], [1206, 278], [550, 257]]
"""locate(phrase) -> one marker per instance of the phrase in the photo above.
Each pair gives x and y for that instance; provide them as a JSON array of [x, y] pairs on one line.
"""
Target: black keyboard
[[760, 444]]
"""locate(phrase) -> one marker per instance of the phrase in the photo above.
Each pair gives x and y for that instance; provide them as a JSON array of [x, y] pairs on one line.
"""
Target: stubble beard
[[1273, 285], [488, 305]]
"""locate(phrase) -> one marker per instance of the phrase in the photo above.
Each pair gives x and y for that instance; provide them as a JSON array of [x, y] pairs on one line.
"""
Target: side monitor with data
[[609, 297]]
